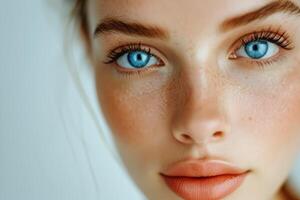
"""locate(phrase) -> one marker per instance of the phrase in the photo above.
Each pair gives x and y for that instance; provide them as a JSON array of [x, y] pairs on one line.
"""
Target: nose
[[200, 115]]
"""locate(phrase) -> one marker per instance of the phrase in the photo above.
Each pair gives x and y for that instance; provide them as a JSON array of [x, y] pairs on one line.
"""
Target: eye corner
[[232, 55], [233, 48], [232, 52], [160, 61]]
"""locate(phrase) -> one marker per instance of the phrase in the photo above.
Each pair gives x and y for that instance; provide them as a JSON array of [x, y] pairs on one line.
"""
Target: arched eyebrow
[[285, 6], [115, 25]]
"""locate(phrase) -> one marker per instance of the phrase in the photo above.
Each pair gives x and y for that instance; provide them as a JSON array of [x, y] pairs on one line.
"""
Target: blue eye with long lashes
[[262, 45], [137, 59], [134, 57], [258, 49]]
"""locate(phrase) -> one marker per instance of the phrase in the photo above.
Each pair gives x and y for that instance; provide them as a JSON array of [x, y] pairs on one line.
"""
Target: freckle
[[250, 118]]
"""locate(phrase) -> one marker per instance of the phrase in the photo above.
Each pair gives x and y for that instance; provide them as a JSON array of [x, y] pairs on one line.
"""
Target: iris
[[138, 59], [257, 49]]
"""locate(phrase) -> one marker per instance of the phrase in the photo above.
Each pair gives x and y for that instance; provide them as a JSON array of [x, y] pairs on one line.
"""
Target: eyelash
[[116, 53], [277, 37]]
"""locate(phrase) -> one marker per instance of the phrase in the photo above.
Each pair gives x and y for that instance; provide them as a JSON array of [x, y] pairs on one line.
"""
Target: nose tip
[[200, 113]]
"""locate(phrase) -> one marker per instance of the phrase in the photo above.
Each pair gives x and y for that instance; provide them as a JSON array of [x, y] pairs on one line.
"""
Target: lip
[[203, 179]]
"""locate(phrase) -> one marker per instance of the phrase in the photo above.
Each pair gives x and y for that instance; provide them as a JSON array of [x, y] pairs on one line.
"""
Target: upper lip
[[202, 168]]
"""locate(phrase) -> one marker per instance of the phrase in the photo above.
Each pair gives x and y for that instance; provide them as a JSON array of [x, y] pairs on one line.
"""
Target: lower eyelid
[[123, 70], [263, 62]]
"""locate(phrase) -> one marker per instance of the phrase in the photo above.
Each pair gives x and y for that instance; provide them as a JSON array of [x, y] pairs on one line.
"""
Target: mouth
[[203, 180]]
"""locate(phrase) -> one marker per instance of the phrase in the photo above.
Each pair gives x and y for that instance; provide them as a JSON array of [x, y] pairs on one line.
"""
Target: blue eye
[[137, 59], [258, 49]]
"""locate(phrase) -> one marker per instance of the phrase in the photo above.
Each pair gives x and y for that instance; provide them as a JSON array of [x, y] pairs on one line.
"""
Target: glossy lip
[[203, 179]]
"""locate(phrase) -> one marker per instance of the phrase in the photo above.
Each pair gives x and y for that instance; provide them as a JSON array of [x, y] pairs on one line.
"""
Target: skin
[[200, 104]]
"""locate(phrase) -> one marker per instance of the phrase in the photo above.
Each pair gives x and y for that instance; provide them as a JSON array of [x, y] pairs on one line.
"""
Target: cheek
[[269, 119], [265, 124], [135, 108]]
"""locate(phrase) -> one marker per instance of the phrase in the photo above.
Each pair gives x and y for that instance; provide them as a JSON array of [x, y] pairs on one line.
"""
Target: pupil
[[139, 57], [255, 47]]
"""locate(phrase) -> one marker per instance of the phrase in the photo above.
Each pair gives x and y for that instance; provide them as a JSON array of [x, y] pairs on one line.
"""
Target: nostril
[[218, 134], [186, 137]]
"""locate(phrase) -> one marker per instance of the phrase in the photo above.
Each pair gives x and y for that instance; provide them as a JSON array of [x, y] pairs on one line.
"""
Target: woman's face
[[204, 81]]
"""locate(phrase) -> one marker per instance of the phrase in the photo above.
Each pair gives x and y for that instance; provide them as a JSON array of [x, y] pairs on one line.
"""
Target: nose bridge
[[199, 116], [203, 90]]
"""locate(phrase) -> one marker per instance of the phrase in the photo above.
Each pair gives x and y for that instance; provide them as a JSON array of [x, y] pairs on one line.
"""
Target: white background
[[50, 148]]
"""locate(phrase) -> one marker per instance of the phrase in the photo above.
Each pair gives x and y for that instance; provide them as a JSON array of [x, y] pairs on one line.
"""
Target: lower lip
[[204, 188]]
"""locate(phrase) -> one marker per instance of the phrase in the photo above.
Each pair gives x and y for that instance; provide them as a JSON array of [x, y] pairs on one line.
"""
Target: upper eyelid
[[268, 33], [129, 47]]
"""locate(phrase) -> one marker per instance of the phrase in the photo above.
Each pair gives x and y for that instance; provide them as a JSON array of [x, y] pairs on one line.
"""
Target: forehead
[[172, 14]]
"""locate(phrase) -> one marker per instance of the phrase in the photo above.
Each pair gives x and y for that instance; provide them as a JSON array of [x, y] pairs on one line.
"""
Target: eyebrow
[[113, 25], [285, 6]]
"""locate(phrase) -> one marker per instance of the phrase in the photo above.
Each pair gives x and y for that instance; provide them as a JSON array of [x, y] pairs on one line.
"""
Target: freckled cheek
[[135, 111], [269, 119]]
